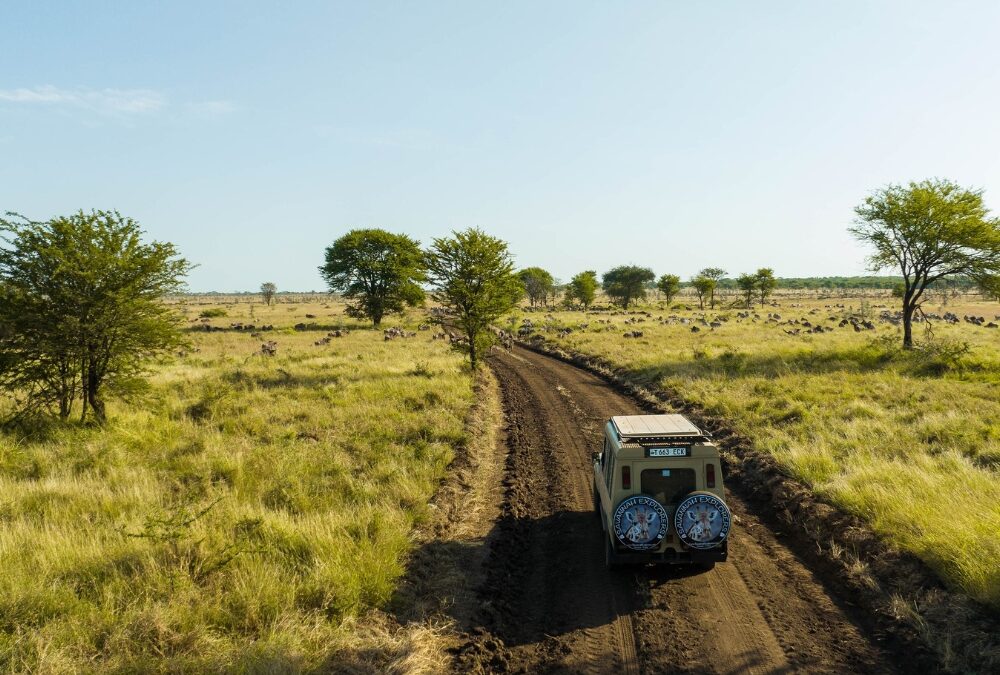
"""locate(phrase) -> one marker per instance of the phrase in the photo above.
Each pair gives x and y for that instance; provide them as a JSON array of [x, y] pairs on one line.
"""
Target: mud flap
[[610, 557]]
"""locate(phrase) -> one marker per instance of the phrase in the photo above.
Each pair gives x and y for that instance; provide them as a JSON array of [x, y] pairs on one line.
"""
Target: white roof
[[654, 425]]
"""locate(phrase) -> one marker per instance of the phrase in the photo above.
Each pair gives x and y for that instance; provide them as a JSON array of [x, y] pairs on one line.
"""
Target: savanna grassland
[[240, 516], [909, 441]]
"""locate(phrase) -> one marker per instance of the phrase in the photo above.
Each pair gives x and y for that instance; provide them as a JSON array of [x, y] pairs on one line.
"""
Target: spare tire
[[640, 523], [702, 520]]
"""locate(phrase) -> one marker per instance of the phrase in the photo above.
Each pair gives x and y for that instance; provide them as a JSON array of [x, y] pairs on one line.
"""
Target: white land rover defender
[[658, 491]]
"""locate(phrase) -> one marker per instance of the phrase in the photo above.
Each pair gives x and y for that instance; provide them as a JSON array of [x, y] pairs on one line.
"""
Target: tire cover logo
[[640, 523], [702, 521]]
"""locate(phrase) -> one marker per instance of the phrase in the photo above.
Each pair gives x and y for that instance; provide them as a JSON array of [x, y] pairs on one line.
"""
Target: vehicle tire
[[599, 509], [705, 566], [610, 559]]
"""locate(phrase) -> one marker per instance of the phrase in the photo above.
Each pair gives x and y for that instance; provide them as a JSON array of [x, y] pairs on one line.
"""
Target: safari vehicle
[[658, 490]]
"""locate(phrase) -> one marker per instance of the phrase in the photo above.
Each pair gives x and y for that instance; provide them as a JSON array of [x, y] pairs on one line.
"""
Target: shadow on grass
[[279, 379]]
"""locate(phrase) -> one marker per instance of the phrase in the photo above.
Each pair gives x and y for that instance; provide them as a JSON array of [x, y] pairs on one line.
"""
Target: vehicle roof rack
[[651, 428]]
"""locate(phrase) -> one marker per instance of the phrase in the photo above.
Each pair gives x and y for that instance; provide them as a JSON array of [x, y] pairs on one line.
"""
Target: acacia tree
[[704, 287], [747, 283], [538, 284], [379, 271], [715, 274], [765, 283], [557, 288], [627, 283], [267, 291], [583, 287], [473, 276], [989, 287], [669, 285], [81, 308], [929, 230]]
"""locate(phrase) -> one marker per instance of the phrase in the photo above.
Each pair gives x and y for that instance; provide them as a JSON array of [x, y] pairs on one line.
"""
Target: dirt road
[[548, 604]]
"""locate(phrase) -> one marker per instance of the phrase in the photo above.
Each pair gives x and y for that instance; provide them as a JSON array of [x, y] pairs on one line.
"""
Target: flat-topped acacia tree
[[627, 283], [81, 308], [473, 276], [716, 274], [929, 230], [378, 271]]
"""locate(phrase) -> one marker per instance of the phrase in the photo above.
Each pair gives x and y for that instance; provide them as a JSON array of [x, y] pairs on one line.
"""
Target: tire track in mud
[[548, 604]]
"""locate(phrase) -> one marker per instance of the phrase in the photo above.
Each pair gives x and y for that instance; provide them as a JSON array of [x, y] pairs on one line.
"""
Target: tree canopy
[[81, 310], [929, 230], [669, 285], [716, 274], [765, 283], [380, 272], [473, 277], [583, 287], [538, 284], [267, 291], [627, 283], [704, 287], [747, 283]]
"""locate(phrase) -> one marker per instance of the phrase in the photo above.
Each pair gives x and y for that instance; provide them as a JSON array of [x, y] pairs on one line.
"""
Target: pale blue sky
[[676, 135]]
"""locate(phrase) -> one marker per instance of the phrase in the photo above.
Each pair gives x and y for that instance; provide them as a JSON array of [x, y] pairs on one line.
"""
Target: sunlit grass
[[909, 442], [242, 515]]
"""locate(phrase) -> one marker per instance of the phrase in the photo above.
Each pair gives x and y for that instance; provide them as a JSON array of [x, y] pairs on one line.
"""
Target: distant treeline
[[820, 283], [789, 283]]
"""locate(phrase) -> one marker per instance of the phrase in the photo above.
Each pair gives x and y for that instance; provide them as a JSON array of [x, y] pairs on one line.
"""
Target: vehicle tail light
[[626, 478], [710, 475]]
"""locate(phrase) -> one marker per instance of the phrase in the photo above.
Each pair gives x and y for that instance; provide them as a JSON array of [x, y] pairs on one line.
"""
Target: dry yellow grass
[[909, 442], [243, 515]]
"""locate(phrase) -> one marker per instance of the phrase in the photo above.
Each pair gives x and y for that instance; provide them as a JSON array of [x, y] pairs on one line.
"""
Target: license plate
[[668, 452]]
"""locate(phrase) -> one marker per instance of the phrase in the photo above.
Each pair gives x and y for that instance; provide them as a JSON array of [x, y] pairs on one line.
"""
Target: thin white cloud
[[106, 101], [211, 108]]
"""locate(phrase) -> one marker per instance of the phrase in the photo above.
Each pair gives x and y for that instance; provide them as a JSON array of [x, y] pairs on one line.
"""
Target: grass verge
[[244, 515]]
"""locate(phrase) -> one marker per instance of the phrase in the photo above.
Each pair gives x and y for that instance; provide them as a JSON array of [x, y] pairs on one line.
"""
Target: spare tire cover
[[702, 520], [640, 523]]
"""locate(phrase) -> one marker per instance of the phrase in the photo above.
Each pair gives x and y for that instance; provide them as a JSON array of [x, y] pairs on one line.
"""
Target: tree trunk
[[93, 395], [472, 351], [66, 397], [83, 391], [908, 310]]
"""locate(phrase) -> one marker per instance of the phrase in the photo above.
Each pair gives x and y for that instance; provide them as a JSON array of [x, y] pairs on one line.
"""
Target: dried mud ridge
[[546, 603], [902, 603]]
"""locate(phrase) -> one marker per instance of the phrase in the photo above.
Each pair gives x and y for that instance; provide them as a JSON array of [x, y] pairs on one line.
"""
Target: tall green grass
[[240, 516], [908, 441]]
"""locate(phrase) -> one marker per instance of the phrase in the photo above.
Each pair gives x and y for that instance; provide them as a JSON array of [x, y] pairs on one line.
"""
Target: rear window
[[667, 486]]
